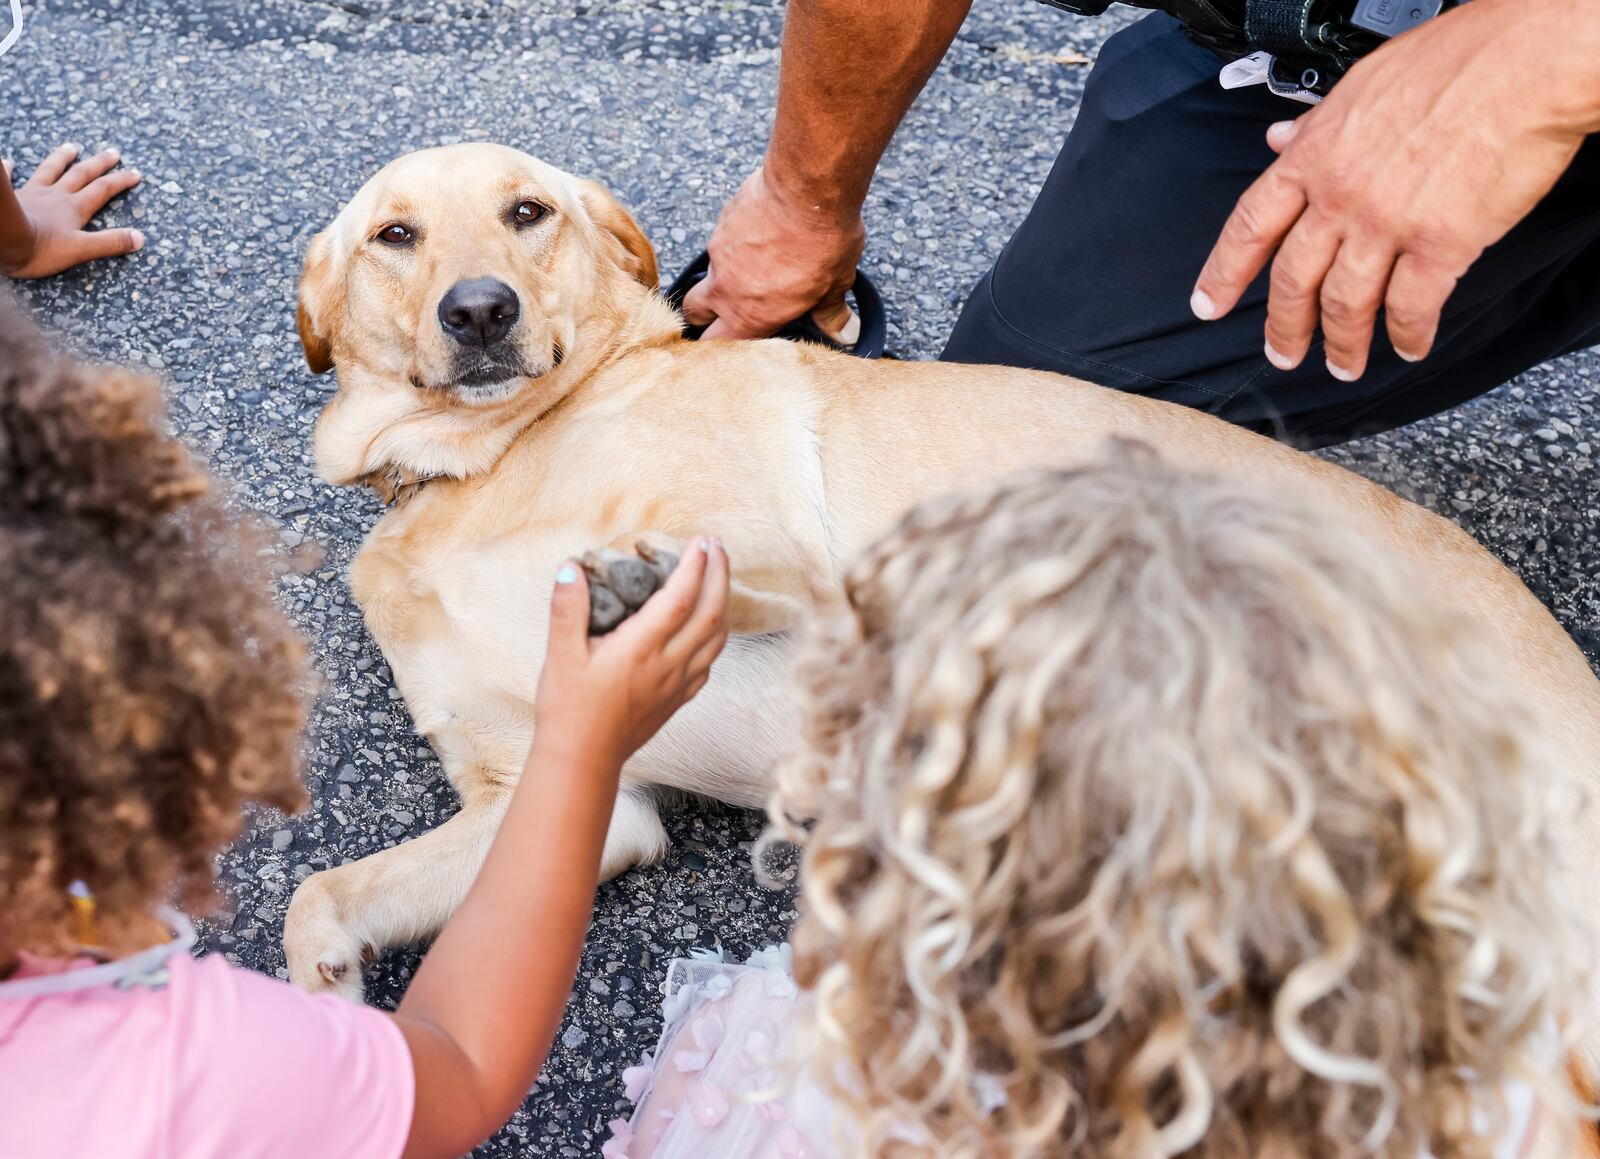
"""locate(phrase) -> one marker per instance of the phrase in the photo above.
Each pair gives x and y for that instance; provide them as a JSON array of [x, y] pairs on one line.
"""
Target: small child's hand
[[608, 695], [57, 202]]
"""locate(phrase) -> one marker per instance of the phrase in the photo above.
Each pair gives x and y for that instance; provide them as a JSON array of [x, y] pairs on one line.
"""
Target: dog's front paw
[[620, 582], [323, 956]]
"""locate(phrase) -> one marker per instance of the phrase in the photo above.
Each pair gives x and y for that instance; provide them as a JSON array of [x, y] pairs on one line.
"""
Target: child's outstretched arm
[[42, 224], [484, 1007]]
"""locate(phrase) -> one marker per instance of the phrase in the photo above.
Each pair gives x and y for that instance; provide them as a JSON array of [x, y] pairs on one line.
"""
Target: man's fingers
[[89, 169], [1352, 294], [53, 166], [1281, 133], [569, 615], [700, 309], [697, 309], [1266, 212], [728, 326], [665, 613], [1297, 274], [838, 321], [1418, 290], [98, 192]]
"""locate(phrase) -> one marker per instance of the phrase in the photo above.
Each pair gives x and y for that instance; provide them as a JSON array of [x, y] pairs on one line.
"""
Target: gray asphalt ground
[[254, 119]]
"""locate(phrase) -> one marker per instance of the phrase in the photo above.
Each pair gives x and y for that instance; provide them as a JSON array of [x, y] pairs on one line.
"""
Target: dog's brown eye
[[528, 212], [395, 235]]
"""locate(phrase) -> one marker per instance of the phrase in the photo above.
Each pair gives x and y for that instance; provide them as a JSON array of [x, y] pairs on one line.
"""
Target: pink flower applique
[[758, 1050], [636, 1079], [707, 1104], [772, 1111], [621, 1139], [708, 1031], [691, 1061], [793, 1145]]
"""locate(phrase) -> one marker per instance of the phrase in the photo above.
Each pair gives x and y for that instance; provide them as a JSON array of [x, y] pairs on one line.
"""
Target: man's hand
[[772, 262], [61, 197], [1426, 153], [788, 242]]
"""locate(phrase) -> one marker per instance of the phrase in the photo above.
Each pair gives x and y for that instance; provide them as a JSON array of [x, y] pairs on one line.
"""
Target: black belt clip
[[1080, 7], [1315, 42], [1392, 17]]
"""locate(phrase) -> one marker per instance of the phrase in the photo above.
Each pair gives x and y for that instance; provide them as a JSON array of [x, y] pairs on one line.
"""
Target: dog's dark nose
[[479, 312]]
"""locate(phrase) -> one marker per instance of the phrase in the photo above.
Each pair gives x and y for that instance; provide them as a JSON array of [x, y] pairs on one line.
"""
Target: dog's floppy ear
[[320, 299], [633, 250]]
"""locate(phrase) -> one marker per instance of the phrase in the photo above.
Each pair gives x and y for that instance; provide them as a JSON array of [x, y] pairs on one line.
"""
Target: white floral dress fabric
[[720, 1083]]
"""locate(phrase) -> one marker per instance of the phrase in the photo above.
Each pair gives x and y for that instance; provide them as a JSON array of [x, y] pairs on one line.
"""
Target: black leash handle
[[869, 308]]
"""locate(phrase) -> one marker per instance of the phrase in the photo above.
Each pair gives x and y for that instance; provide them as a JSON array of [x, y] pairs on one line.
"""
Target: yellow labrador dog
[[510, 377]]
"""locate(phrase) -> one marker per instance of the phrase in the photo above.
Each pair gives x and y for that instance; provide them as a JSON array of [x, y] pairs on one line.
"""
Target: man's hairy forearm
[[851, 69]]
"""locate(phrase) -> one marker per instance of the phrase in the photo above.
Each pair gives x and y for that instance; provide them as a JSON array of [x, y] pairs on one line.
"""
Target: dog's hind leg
[[636, 836], [341, 917]]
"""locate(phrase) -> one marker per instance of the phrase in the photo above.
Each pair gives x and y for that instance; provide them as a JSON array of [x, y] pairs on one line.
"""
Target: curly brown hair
[[1177, 815], [148, 685]]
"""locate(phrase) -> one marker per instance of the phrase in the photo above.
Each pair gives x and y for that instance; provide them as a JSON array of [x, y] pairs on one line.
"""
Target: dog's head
[[461, 293]]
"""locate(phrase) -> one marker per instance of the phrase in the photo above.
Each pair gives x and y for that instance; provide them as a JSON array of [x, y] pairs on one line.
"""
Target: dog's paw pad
[[621, 582]]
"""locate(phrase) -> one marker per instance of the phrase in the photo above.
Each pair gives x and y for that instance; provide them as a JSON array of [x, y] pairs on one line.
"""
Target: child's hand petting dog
[[611, 693]]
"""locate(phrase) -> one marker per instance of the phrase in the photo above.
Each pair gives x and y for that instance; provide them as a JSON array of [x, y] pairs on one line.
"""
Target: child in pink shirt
[[148, 689]]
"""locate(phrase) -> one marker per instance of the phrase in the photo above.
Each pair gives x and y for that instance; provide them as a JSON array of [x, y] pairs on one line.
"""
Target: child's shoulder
[[179, 1048]]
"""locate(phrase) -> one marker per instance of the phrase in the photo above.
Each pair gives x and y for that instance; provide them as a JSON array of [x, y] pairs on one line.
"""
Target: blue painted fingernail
[[567, 574], [705, 546]]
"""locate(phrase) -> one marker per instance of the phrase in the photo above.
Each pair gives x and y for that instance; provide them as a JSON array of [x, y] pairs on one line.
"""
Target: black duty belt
[[1312, 43]]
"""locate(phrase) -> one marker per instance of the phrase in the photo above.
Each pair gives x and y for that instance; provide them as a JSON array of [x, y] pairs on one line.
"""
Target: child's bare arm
[[485, 1005], [42, 224]]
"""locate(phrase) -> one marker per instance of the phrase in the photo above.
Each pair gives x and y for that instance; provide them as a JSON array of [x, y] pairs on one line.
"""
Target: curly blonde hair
[[1177, 815], [148, 685]]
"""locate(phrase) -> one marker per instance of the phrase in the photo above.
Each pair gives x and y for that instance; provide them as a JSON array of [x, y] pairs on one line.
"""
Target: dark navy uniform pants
[[1096, 282]]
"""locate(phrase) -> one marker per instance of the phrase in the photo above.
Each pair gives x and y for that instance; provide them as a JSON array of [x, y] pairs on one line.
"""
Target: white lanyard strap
[[136, 969]]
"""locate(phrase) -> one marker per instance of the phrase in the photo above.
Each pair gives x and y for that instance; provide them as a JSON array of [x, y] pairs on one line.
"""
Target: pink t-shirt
[[195, 1059]]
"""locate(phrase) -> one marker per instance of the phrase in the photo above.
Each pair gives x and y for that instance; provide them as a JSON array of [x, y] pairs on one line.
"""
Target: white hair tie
[[16, 27]]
